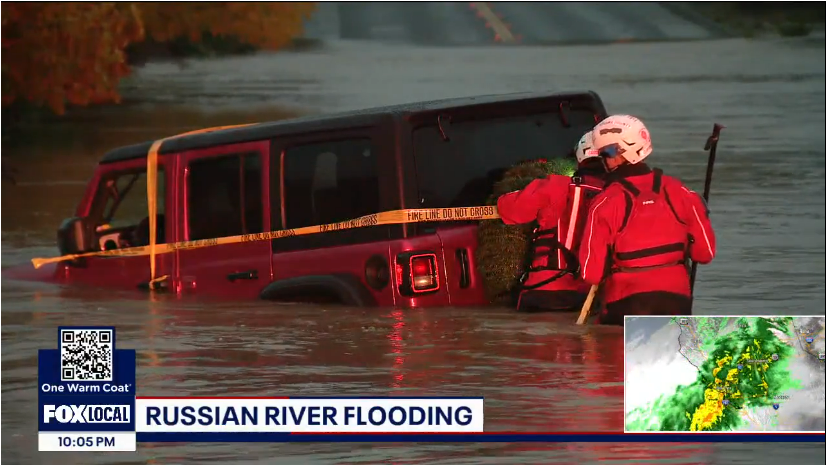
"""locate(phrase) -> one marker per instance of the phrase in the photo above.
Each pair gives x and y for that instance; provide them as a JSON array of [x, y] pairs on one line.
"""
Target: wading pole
[[711, 147], [586, 307]]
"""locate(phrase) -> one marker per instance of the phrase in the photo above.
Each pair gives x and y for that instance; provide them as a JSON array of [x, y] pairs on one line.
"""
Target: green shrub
[[502, 248]]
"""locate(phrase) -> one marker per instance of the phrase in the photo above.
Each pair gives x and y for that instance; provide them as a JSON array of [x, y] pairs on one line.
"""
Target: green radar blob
[[746, 369]]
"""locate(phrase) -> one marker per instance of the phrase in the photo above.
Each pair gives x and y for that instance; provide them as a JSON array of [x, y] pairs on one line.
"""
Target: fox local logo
[[87, 414]]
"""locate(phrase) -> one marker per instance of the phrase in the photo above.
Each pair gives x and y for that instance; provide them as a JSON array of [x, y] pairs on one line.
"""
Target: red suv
[[313, 171]]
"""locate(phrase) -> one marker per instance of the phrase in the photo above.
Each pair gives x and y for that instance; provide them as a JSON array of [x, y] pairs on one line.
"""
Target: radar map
[[732, 373]]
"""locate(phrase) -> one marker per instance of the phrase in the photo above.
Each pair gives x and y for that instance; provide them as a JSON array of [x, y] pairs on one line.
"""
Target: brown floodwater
[[536, 372]]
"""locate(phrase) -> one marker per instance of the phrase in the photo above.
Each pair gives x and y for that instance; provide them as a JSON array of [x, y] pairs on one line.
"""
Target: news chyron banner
[[87, 402]]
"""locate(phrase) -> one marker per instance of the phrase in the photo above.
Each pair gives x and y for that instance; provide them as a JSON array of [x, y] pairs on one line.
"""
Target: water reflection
[[397, 345], [411, 352]]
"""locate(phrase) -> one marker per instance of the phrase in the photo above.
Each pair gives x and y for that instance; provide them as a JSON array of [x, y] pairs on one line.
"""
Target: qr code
[[86, 355]]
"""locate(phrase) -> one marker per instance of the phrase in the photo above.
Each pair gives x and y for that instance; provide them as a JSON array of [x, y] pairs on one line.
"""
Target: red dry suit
[[639, 233], [559, 204]]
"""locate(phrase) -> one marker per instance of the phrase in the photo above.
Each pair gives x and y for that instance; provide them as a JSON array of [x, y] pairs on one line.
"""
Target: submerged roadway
[[527, 23]]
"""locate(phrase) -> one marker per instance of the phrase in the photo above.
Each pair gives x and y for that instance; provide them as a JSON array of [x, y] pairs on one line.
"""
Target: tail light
[[424, 275], [417, 273]]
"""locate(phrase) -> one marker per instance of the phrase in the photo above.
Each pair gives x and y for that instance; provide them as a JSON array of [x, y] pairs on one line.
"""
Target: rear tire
[[320, 289]]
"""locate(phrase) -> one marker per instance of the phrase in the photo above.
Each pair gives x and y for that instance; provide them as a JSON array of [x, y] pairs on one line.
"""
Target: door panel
[[341, 260], [225, 193], [463, 279]]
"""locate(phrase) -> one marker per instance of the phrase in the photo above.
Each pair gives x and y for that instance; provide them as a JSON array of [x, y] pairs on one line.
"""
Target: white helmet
[[585, 148], [623, 135]]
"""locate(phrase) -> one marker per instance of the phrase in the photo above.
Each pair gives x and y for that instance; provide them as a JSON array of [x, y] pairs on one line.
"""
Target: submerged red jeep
[[313, 171]]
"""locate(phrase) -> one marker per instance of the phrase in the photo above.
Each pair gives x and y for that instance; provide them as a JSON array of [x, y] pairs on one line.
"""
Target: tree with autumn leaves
[[74, 53]]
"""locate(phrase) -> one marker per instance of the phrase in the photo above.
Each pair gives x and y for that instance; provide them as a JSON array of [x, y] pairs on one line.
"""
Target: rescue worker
[[559, 204], [641, 229]]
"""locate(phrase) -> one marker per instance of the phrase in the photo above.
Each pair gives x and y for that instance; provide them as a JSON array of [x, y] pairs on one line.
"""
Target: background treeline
[[56, 54], [791, 8], [756, 18]]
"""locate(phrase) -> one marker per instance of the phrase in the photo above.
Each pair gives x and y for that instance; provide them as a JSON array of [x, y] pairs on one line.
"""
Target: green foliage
[[75, 53], [750, 19], [794, 29], [502, 248]]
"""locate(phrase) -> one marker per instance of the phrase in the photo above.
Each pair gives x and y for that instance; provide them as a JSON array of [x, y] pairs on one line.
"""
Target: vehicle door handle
[[248, 275], [464, 265]]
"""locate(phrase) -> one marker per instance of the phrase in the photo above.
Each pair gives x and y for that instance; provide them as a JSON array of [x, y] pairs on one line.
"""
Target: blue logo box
[[86, 385]]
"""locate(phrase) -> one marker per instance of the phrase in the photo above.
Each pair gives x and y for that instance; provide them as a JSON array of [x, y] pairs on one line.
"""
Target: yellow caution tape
[[152, 202], [393, 217]]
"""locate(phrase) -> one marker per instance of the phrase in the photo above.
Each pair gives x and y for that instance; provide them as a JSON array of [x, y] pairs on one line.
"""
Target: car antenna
[[563, 115], [444, 126]]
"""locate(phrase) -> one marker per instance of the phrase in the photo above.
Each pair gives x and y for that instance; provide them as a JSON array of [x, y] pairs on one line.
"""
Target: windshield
[[461, 172], [126, 200]]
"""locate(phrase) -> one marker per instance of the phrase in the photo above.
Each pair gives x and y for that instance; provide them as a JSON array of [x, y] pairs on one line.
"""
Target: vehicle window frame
[[101, 196], [241, 156], [470, 116], [480, 120], [278, 210], [334, 172], [100, 199]]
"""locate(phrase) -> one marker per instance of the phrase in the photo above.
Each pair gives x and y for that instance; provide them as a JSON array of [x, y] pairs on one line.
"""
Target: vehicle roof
[[323, 122]]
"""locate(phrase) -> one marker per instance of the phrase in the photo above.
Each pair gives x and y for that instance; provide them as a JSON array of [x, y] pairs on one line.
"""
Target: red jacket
[[545, 200], [638, 235]]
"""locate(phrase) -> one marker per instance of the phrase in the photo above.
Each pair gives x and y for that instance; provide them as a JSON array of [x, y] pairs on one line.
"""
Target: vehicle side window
[[330, 182], [224, 196]]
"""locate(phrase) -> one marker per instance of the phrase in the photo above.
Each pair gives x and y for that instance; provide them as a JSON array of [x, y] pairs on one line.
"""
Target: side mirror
[[74, 236]]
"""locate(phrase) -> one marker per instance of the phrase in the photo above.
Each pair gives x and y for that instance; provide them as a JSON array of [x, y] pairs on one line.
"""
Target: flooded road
[[537, 372], [529, 23]]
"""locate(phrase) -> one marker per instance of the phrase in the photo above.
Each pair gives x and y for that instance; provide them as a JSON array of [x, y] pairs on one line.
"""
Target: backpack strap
[[629, 204], [546, 238], [628, 186], [658, 181], [630, 191], [658, 176], [673, 209]]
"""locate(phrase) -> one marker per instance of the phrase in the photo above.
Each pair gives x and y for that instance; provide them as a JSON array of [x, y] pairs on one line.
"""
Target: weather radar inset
[[724, 373]]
